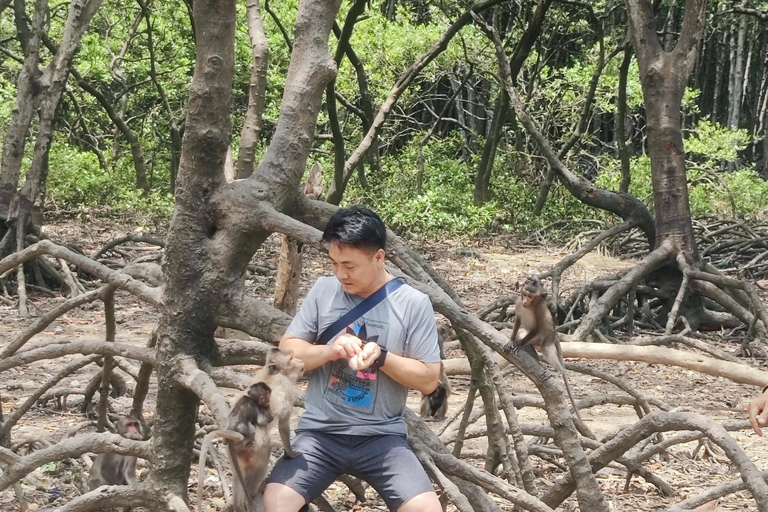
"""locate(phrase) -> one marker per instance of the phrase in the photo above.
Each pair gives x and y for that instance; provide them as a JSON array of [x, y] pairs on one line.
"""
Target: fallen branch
[[129, 238], [735, 372], [32, 399], [74, 447], [96, 269], [78, 347], [139, 495]]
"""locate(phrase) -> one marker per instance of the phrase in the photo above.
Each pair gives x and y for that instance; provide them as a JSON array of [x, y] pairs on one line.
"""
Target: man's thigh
[[391, 467], [314, 469]]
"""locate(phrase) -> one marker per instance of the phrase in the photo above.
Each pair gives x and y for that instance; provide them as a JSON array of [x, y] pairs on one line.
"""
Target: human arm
[[415, 374], [407, 371], [758, 411], [345, 346]]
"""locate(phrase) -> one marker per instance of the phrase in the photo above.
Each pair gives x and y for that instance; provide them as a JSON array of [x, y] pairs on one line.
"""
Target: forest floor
[[480, 271]]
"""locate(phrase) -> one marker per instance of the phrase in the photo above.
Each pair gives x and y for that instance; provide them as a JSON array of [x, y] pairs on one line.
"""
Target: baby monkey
[[112, 468], [249, 454], [533, 315]]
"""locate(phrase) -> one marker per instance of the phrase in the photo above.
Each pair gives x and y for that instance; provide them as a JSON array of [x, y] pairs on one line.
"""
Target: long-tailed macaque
[[434, 405], [249, 455], [280, 373], [533, 315], [114, 469]]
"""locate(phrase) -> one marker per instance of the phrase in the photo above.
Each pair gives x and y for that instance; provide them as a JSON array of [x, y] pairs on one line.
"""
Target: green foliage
[[714, 143], [741, 193], [75, 180]]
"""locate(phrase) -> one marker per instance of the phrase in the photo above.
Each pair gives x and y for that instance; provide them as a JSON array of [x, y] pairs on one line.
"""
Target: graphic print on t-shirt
[[350, 388]]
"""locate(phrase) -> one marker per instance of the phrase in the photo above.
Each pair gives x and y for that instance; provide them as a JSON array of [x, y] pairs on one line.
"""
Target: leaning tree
[[217, 227]]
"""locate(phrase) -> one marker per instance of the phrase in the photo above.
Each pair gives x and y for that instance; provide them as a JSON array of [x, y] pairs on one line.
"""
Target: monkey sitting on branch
[[248, 443], [533, 315], [112, 468]]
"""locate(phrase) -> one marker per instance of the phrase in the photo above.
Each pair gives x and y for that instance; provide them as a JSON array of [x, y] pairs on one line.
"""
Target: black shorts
[[386, 462]]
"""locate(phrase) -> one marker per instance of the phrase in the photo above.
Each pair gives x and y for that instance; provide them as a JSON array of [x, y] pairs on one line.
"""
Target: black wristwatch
[[379, 362]]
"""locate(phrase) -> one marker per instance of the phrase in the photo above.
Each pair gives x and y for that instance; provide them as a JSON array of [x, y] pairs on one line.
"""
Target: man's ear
[[380, 255]]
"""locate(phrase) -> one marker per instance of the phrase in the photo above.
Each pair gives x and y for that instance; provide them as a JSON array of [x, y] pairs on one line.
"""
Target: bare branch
[[119, 279], [740, 373], [45, 320], [114, 496], [54, 351], [75, 447], [200, 383], [21, 410]]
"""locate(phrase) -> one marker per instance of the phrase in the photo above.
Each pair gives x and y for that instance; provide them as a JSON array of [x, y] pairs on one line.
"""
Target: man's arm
[[345, 346], [413, 373]]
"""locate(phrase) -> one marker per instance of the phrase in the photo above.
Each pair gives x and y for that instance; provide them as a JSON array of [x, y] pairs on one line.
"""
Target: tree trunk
[[621, 121], [485, 169], [50, 86], [736, 81], [718, 91], [664, 76], [137, 152], [24, 109], [217, 227], [257, 92]]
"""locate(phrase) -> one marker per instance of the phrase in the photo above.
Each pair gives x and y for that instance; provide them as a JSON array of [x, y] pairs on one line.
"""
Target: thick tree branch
[[53, 351], [96, 269], [200, 383], [74, 447], [625, 206]]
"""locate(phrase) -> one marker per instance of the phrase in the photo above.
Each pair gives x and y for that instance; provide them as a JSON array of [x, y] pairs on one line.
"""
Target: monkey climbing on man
[[248, 443]]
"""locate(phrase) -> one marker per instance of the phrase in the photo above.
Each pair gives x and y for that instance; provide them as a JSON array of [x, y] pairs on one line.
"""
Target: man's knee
[[281, 498], [424, 502]]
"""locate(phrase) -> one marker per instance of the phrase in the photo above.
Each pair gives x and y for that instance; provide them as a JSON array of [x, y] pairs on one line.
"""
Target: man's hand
[[370, 353], [346, 346], [758, 412]]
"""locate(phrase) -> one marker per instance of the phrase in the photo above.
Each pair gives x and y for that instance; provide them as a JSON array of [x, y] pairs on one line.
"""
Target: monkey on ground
[[533, 315], [248, 443], [114, 469], [434, 405]]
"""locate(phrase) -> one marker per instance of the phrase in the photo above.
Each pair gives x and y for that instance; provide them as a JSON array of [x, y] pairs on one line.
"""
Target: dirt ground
[[480, 272]]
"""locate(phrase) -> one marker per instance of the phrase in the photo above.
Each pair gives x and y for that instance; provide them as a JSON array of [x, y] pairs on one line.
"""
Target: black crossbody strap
[[358, 311]]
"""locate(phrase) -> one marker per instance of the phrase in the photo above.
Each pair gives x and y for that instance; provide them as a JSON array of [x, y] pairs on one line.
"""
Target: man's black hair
[[356, 227]]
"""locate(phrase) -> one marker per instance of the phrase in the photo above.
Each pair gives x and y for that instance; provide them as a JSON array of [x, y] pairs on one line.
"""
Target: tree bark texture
[[215, 227], [664, 76], [50, 85], [28, 89], [257, 92]]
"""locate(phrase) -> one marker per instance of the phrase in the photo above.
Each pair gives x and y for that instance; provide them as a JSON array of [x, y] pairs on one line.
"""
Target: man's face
[[358, 270]]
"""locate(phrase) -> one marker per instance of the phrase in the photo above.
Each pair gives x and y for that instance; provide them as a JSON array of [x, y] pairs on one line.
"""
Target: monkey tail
[[204, 447], [580, 425]]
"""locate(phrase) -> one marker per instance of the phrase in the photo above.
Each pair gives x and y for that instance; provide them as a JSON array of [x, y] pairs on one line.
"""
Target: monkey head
[[130, 428], [532, 293], [282, 360], [261, 395]]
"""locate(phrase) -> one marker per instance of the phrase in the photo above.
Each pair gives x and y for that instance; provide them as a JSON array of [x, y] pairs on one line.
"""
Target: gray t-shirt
[[341, 400]]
